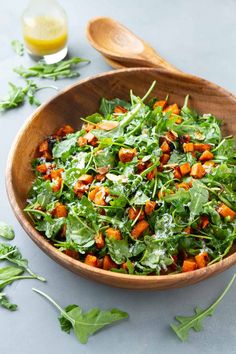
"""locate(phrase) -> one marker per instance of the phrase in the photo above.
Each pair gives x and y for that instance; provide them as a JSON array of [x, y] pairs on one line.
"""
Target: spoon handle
[[156, 61]]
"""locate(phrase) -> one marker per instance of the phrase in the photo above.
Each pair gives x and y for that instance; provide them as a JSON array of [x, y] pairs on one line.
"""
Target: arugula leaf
[[85, 324], [118, 250], [4, 302], [63, 148], [6, 231], [64, 68], [9, 272], [14, 99], [13, 255], [199, 196], [18, 47], [195, 321], [108, 106], [80, 233]]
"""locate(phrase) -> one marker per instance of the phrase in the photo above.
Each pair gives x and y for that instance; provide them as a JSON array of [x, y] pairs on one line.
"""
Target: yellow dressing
[[44, 35]]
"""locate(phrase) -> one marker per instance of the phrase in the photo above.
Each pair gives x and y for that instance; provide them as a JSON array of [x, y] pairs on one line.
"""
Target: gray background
[[196, 36]]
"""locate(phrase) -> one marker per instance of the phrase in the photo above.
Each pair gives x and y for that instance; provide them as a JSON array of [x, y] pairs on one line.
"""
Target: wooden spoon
[[116, 42]]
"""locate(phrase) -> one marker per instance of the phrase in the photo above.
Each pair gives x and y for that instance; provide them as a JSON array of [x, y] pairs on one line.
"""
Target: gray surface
[[197, 37]]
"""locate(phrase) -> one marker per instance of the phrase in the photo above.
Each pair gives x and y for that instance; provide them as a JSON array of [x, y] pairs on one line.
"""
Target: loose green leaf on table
[[4, 302], [6, 231], [195, 321], [18, 47], [85, 324], [63, 69]]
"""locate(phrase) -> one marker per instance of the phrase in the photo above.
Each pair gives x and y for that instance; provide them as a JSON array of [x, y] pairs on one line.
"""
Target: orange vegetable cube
[[56, 173], [177, 172], [204, 221], [197, 170], [201, 259], [72, 254], [188, 147], [183, 185], [91, 139], [162, 104], [93, 192], [149, 207], [172, 108], [139, 228], [60, 211], [42, 168], [165, 147], [120, 109], [185, 168], [44, 146], [87, 179], [225, 211], [164, 159], [201, 147], [171, 135], [133, 213], [66, 129], [108, 263], [91, 260], [80, 188], [99, 240], [206, 155], [82, 141], [126, 155], [100, 196], [113, 233], [189, 265]]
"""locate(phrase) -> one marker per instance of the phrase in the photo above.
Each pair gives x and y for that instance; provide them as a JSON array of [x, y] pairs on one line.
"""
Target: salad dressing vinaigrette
[[44, 35]]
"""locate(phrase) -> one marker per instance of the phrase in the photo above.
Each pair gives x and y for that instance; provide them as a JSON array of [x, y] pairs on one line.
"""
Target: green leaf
[[85, 324], [108, 106], [118, 250], [10, 271], [80, 233], [4, 302], [64, 68], [6, 231], [199, 196], [63, 148], [195, 321], [18, 47]]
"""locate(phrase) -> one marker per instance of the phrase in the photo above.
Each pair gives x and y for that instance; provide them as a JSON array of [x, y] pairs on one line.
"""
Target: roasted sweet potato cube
[[133, 213], [204, 221], [139, 228], [56, 186], [149, 207], [60, 211], [56, 173], [44, 146], [177, 172], [201, 259], [91, 139], [165, 147], [188, 147], [162, 104], [93, 191], [225, 211], [189, 265], [108, 263], [66, 129], [171, 135], [185, 168], [164, 159], [206, 155], [173, 108], [197, 170], [82, 141], [126, 155], [113, 233], [72, 254], [80, 187], [201, 147], [91, 260], [87, 179], [120, 109], [99, 240], [42, 168]]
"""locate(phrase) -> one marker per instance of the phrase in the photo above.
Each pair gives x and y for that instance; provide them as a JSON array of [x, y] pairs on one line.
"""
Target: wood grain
[[116, 42], [83, 99]]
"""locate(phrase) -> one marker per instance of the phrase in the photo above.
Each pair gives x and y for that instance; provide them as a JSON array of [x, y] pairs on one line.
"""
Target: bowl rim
[[67, 261]]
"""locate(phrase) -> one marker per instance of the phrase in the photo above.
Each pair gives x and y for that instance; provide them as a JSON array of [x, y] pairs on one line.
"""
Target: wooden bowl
[[83, 99]]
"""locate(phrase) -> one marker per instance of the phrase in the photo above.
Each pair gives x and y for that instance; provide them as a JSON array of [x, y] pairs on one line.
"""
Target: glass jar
[[45, 32]]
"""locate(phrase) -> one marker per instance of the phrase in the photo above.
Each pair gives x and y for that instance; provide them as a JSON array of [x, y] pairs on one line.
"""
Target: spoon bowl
[[116, 42]]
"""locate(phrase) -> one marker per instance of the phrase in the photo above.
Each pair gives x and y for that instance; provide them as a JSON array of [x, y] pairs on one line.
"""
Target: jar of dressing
[[45, 32]]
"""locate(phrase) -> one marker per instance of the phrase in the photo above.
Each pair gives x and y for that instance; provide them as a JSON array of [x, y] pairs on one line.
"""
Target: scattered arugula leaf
[[18, 47], [6, 231], [195, 321], [63, 69], [84, 324], [4, 302]]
